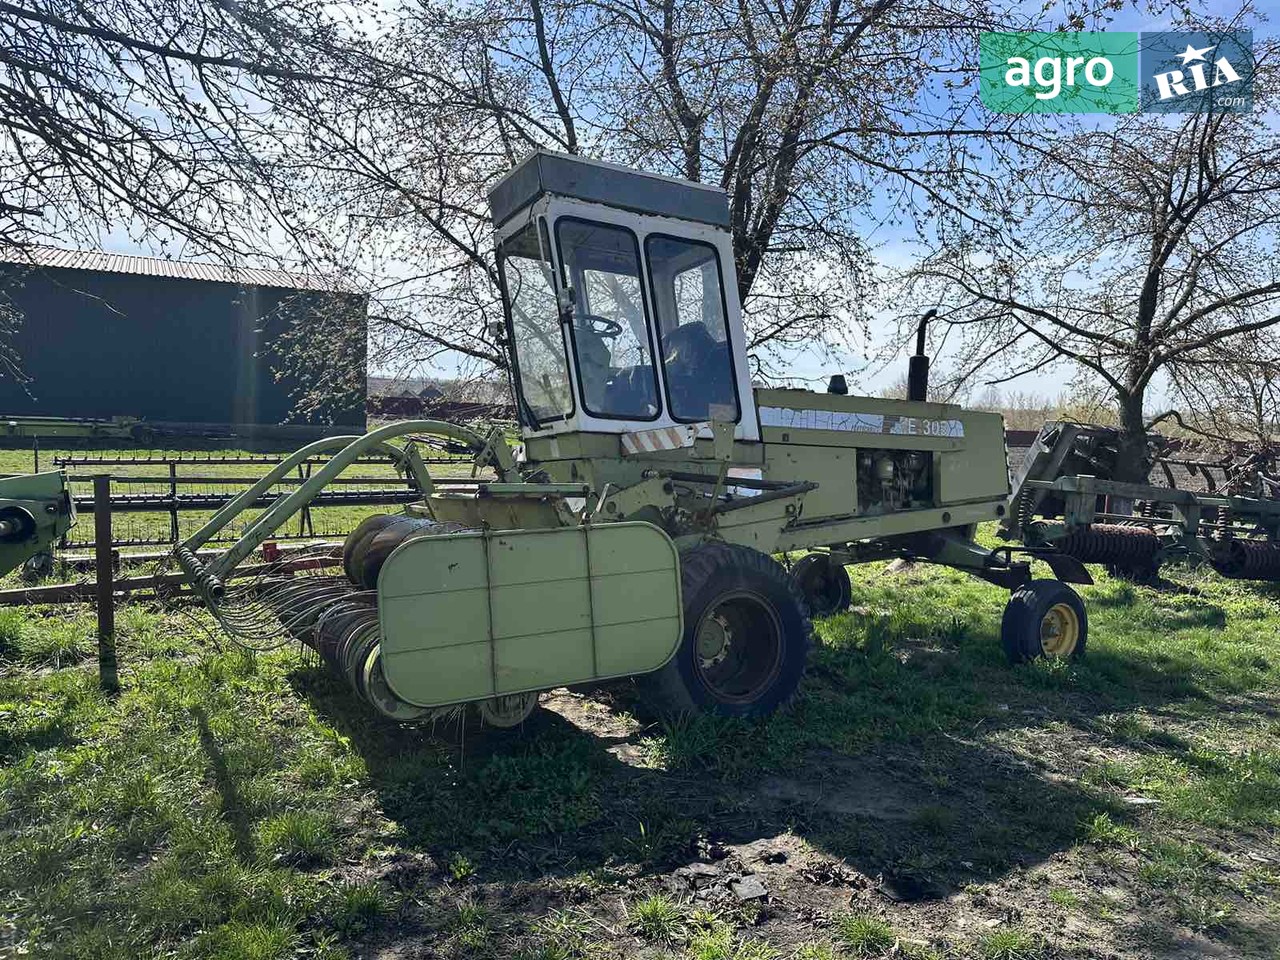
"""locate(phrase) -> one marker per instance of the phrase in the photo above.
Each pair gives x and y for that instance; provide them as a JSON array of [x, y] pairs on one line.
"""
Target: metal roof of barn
[[101, 261]]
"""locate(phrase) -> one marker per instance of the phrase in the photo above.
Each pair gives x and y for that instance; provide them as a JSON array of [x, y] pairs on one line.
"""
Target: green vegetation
[[1010, 945], [656, 918], [865, 936], [229, 805]]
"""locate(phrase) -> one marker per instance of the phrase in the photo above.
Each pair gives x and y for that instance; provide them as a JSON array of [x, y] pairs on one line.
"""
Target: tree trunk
[[1133, 463]]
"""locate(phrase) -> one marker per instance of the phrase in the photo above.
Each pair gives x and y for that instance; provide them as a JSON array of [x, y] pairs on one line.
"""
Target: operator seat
[[698, 371]]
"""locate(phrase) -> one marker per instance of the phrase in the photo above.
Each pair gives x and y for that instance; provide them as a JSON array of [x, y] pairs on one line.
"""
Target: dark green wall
[[164, 349]]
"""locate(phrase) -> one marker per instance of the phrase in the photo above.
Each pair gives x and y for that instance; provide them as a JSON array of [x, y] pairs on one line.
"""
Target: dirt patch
[[841, 786]]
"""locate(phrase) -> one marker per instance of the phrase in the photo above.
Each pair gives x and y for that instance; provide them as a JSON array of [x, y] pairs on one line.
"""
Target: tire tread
[[665, 689]]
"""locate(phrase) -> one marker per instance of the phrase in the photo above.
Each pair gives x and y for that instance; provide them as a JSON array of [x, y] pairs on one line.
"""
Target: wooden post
[[108, 673]]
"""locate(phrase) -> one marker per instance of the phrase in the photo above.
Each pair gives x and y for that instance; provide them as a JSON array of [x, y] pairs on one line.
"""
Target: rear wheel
[[824, 583], [745, 641], [1044, 618]]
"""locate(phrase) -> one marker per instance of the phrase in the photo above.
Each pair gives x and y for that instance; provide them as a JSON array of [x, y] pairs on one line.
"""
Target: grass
[[864, 935], [299, 837], [656, 918], [54, 641], [1103, 831], [232, 805], [1010, 945], [471, 925], [357, 906]]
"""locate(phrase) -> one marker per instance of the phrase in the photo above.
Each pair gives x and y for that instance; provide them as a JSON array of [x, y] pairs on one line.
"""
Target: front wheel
[[1044, 618], [745, 640]]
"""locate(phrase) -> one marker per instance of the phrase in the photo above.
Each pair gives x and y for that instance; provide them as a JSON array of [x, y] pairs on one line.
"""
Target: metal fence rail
[[175, 487], [151, 512], [162, 458]]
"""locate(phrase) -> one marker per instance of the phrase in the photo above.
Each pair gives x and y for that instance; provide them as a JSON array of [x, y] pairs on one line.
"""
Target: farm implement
[[633, 529], [1066, 502], [35, 510]]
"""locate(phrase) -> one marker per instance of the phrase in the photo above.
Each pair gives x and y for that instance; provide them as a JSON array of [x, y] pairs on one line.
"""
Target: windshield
[[542, 371], [610, 333]]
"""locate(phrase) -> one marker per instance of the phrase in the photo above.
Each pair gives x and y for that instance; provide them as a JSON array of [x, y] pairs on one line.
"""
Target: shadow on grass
[[233, 811], [916, 755], [925, 816], [54, 732]]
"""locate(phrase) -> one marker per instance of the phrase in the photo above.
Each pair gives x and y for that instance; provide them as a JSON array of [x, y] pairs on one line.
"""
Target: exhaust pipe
[[918, 365]]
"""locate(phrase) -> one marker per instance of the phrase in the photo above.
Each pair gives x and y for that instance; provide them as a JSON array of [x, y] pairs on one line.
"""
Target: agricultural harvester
[[633, 530]]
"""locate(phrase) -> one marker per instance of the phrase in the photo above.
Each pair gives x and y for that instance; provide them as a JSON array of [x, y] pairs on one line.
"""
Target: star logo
[[1193, 53]]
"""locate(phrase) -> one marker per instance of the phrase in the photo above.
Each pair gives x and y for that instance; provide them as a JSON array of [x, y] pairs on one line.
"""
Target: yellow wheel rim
[[1060, 631]]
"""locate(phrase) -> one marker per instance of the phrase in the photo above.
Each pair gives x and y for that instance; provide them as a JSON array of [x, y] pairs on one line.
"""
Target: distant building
[[181, 345], [464, 399]]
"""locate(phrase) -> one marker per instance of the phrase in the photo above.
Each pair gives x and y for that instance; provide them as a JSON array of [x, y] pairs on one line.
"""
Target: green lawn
[[327, 522], [922, 799]]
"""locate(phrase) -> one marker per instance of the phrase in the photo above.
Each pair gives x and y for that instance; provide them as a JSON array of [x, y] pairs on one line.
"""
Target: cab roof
[[544, 172]]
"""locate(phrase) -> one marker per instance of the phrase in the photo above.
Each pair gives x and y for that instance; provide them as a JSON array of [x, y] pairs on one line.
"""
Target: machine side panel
[[823, 419], [473, 615], [834, 470], [980, 469]]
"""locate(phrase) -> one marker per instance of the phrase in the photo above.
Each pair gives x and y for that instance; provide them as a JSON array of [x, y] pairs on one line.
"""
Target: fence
[[159, 510]]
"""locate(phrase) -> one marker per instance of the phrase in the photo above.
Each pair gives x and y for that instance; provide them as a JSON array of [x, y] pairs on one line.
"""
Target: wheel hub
[[738, 648], [713, 641], [1059, 631]]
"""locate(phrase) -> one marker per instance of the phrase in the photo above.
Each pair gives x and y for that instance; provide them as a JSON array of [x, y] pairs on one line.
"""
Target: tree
[[170, 121], [362, 142], [1135, 255], [810, 114], [165, 118], [1234, 394]]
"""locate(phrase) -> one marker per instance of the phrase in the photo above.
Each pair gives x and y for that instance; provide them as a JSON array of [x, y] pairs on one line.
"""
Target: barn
[[184, 346]]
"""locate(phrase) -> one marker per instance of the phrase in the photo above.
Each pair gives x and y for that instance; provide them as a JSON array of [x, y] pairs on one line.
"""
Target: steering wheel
[[600, 326]]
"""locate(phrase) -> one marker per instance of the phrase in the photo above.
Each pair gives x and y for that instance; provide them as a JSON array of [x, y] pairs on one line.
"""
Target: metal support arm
[[349, 450]]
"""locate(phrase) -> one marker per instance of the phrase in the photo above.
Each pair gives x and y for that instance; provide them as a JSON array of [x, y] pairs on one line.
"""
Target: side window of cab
[[693, 335]]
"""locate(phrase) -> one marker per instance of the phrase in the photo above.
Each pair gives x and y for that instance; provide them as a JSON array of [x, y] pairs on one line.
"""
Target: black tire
[[740, 595], [1044, 618], [824, 584], [370, 556], [357, 542]]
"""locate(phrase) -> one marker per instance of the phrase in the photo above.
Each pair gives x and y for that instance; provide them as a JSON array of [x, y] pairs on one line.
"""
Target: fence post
[[108, 672], [173, 502]]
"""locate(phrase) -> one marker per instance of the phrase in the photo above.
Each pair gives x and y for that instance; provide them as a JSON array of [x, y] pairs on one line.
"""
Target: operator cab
[[621, 304]]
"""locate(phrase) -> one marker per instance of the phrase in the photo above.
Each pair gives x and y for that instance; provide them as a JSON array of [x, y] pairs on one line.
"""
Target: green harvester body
[[632, 531]]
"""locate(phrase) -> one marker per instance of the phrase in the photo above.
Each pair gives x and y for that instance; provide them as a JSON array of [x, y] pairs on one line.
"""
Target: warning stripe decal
[[660, 438]]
